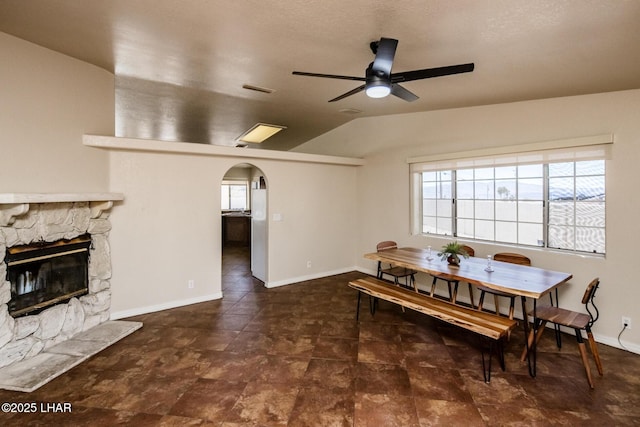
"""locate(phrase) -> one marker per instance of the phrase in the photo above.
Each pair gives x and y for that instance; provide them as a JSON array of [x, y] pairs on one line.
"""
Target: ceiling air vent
[[258, 88], [349, 111]]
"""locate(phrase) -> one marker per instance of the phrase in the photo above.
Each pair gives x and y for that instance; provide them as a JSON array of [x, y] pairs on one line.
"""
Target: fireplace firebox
[[43, 274]]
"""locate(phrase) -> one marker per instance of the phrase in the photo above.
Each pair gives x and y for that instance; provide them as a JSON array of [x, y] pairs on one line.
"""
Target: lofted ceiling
[[180, 65]]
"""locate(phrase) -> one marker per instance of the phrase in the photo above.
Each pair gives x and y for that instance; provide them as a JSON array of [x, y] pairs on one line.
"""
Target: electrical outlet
[[191, 284], [308, 264], [626, 321]]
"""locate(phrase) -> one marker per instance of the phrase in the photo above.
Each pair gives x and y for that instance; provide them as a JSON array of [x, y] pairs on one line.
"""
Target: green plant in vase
[[451, 252]]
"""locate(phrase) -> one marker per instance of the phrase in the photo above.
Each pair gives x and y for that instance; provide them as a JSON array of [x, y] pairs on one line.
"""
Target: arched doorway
[[244, 223]]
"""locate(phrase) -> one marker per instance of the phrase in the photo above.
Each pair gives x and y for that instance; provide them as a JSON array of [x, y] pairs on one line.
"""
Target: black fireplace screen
[[44, 274]]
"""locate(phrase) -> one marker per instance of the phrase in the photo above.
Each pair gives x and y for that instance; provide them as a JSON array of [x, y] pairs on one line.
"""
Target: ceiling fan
[[380, 82]]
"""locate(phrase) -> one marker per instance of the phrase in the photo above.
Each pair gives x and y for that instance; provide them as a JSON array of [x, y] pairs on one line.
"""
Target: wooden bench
[[493, 327]]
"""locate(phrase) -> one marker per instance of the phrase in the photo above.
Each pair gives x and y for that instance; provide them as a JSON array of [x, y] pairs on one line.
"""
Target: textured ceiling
[[180, 65]]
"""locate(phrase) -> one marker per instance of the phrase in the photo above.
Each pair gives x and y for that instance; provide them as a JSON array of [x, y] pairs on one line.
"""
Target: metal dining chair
[[395, 272], [512, 258], [453, 284], [575, 320]]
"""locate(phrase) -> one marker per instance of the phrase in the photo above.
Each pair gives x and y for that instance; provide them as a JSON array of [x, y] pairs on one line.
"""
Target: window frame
[[238, 183], [545, 153]]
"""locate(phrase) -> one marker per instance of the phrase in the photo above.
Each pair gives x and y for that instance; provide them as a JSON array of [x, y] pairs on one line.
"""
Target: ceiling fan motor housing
[[377, 84]]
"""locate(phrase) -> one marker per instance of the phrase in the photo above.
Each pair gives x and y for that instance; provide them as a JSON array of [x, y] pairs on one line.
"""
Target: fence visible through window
[[555, 205]]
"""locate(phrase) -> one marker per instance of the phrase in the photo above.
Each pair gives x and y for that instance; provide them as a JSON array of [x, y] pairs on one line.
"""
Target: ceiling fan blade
[[328, 76], [403, 93], [386, 50], [351, 92], [427, 73]]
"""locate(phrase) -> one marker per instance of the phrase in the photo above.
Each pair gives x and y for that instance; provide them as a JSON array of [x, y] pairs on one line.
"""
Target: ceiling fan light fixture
[[260, 132], [376, 86], [379, 90]]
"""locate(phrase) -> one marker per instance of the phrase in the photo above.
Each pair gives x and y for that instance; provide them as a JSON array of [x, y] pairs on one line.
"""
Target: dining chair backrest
[[395, 272], [512, 258], [590, 292], [388, 244], [587, 299], [453, 284]]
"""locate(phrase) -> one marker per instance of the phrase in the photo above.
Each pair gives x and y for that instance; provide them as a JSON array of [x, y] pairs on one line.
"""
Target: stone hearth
[[28, 218]]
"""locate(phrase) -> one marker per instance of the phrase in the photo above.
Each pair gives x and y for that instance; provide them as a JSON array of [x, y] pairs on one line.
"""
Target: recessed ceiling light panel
[[260, 132]]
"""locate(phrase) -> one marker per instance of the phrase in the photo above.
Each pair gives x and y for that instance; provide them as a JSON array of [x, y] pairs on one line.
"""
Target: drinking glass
[[489, 267]]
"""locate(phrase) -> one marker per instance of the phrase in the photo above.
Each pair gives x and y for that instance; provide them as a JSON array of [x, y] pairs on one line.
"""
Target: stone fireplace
[[32, 220]]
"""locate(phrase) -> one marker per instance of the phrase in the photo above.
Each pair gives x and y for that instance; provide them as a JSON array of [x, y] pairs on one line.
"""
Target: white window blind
[[565, 150]]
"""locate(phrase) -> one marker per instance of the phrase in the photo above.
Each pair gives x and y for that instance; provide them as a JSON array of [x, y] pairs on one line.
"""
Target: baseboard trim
[[298, 279], [613, 342], [163, 306]]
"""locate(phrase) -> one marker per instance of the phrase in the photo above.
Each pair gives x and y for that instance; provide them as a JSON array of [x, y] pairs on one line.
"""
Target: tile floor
[[294, 356]]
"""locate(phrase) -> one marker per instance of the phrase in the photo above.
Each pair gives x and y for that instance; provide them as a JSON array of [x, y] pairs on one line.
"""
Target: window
[[577, 206], [436, 202], [515, 199], [503, 204], [233, 196]]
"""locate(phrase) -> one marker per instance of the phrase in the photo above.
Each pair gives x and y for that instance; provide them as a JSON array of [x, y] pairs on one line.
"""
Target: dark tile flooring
[[295, 356]]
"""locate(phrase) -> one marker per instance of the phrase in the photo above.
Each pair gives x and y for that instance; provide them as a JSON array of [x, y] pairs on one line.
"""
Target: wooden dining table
[[519, 280]]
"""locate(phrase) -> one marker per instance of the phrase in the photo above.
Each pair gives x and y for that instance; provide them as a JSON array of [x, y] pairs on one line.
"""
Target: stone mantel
[[13, 205], [14, 198]]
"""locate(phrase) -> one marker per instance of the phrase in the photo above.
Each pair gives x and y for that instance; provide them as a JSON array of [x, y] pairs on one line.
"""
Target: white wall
[[47, 102], [331, 214], [168, 229], [383, 184]]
